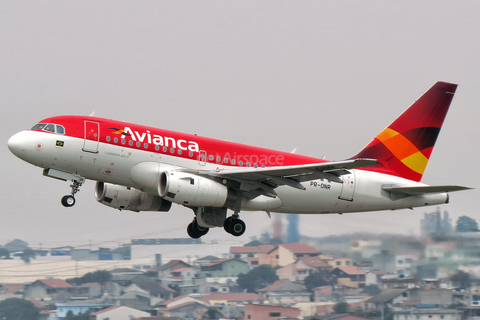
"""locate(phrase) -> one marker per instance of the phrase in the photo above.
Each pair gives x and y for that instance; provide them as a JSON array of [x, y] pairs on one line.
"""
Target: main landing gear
[[195, 231], [208, 217], [234, 225], [69, 199]]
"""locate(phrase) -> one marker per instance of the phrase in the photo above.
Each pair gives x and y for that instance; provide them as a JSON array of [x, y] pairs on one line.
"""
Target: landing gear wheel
[[191, 232], [237, 227], [195, 231], [201, 230], [226, 224], [68, 201]]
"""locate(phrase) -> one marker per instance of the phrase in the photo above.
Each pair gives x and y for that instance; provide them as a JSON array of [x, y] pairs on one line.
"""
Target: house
[[430, 297], [150, 286], [351, 276], [287, 253], [204, 260], [229, 267], [188, 310], [80, 307], [118, 313], [405, 264], [11, 290], [232, 304], [340, 262], [400, 283], [345, 317], [138, 300], [262, 312], [159, 318], [178, 301], [95, 289], [388, 298], [224, 299], [285, 291], [427, 314], [51, 288], [166, 269], [315, 309], [186, 281], [223, 285], [323, 293], [251, 253], [300, 269], [374, 277]]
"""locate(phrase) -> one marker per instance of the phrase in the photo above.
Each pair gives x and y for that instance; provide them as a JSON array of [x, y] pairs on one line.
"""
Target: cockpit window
[[60, 129], [49, 127], [39, 126]]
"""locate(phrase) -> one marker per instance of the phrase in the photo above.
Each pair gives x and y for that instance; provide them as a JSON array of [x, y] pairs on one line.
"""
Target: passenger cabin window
[[49, 127]]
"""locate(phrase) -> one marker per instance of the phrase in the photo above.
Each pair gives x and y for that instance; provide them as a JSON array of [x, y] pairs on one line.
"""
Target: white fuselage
[[361, 190]]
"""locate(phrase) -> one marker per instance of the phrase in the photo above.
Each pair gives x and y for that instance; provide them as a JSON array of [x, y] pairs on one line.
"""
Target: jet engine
[[192, 190], [126, 198]]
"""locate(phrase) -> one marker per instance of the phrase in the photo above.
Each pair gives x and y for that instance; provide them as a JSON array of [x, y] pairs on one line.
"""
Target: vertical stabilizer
[[405, 146]]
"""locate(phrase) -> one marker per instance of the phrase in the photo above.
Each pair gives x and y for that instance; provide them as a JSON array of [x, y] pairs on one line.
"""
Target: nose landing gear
[[69, 199]]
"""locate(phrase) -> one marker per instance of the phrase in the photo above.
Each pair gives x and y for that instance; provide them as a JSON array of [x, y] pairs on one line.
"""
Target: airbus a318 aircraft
[[141, 168]]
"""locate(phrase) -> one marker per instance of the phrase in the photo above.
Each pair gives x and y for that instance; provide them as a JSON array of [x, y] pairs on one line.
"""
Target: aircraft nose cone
[[17, 144]]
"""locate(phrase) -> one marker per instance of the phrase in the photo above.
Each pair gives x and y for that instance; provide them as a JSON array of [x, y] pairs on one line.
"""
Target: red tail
[[404, 148]]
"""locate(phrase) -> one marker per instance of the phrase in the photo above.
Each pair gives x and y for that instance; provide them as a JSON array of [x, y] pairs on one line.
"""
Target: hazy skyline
[[320, 76]]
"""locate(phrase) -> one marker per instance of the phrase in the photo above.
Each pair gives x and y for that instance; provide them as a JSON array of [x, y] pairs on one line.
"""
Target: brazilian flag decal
[[60, 143]]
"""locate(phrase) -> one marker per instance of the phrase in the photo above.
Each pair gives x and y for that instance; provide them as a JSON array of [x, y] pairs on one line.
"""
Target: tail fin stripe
[[405, 146]]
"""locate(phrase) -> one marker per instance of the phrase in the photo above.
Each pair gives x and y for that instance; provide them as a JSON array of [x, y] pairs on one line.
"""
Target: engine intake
[[192, 190], [125, 198]]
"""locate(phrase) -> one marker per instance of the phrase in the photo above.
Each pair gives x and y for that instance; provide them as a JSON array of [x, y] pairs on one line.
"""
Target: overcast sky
[[324, 77]]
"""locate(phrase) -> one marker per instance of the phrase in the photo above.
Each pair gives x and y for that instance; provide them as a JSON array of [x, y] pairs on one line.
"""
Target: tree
[[151, 274], [461, 278], [100, 276], [18, 309], [27, 255], [319, 278], [212, 313], [372, 290], [466, 224], [257, 278], [82, 316], [253, 243], [341, 307]]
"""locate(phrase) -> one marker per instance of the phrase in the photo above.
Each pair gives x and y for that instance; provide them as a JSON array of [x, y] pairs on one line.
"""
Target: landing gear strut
[[69, 199], [233, 224]]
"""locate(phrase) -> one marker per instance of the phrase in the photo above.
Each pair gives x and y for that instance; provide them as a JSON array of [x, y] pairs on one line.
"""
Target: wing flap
[[323, 169]]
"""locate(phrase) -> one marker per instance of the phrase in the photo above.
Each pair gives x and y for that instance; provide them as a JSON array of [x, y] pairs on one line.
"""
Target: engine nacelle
[[192, 190], [125, 198]]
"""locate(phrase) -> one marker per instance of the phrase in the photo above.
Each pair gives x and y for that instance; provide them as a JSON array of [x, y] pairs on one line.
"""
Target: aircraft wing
[[420, 190], [267, 179]]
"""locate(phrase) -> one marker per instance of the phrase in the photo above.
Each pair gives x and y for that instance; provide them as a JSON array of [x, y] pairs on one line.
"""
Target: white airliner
[[141, 168]]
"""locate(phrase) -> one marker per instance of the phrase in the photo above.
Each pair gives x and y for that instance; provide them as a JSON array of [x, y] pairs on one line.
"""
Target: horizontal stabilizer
[[420, 190]]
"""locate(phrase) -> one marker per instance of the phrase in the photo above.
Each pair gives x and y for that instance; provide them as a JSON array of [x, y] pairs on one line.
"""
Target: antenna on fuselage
[[92, 114]]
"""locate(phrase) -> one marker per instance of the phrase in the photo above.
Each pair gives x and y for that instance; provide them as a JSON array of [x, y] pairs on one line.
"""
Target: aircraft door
[[92, 136], [348, 186], [202, 158]]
